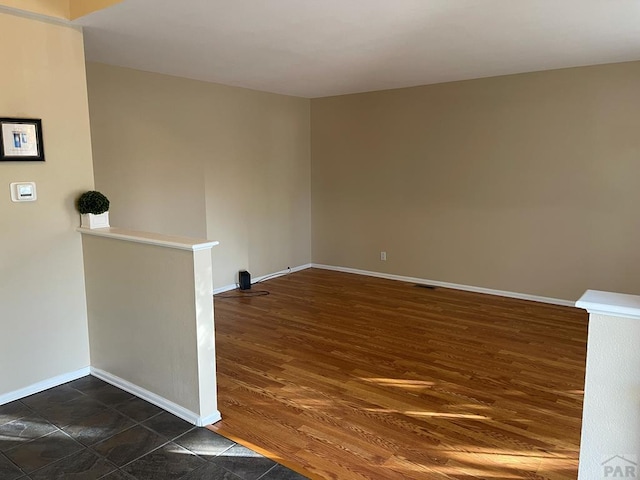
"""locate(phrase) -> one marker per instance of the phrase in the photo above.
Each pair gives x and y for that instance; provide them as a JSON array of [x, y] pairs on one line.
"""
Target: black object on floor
[[244, 280], [92, 430]]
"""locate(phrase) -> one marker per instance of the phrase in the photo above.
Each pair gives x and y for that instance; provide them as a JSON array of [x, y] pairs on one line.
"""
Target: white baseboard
[[226, 288], [233, 286], [157, 400], [43, 385], [455, 286]]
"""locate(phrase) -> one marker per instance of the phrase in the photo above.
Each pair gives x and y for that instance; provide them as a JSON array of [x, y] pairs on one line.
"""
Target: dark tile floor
[[88, 429]]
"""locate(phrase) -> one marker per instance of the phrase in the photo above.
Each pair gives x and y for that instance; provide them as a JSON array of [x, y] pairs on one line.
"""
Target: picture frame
[[21, 140]]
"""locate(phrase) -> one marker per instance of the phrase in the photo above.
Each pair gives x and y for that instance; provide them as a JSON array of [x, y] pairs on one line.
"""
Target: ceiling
[[316, 48]]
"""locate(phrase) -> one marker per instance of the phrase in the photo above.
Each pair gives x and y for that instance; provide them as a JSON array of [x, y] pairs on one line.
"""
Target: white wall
[[611, 411]]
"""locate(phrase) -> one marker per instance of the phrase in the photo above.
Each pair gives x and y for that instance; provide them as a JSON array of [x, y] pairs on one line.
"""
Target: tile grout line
[[98, 404], [32, 412], [265, 473], [16, 465], [38, 438], [143, 455], [83, 446], [136, 423]]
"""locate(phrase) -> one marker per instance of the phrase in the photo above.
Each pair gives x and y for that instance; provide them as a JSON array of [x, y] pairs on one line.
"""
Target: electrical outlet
[[383, 256]]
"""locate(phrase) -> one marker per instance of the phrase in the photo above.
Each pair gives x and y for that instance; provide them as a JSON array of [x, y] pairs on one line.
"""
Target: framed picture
[[21, 140]]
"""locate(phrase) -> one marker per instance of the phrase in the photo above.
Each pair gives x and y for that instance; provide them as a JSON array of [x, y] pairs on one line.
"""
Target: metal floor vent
[[421, 285]]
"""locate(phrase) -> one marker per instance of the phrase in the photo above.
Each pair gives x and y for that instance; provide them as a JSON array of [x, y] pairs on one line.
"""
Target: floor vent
[[421, 285]]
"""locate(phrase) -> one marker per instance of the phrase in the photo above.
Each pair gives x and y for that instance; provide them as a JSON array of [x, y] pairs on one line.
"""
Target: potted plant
[[94, 209]]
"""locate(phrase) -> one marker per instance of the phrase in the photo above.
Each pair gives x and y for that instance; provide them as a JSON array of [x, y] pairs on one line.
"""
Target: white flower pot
[[89, 220]]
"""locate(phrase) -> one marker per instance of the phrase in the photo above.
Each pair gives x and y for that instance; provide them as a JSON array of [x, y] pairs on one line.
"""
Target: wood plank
[[341, 376]]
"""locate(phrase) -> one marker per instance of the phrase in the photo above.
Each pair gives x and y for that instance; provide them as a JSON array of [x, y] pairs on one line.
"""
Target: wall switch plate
[[23, 192]]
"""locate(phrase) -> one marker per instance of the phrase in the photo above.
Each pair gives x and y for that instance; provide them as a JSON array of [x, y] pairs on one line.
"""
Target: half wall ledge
[[151, 320], [609, 303], [182, 243], [610, 439]]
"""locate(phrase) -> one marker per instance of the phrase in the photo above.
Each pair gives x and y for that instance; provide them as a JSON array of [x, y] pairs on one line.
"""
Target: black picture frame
[[21, 140]]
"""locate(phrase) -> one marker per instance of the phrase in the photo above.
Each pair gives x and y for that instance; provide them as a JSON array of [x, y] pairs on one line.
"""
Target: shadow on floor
[[90, 429]]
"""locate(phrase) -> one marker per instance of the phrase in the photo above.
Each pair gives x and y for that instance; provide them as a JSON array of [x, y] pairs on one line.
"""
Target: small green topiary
[[93, 202]]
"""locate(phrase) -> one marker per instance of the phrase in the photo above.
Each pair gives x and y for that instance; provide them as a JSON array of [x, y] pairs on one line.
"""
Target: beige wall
[[151, 319], [42, 305], [183, 157], [62, 9], [258, 183], [80, 8], [49, 8], [524, 183]]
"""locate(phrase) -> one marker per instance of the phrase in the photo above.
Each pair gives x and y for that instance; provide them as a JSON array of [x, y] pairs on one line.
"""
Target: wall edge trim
[[280, 273], [39, 17], [454, 286], [156, 399], [44, 385]]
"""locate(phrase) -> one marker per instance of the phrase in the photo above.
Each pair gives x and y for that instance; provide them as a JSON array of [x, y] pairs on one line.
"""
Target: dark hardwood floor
[[345, 377]]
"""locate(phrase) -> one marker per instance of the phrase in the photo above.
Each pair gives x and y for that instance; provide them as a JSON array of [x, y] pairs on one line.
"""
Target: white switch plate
[[23, 192]]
